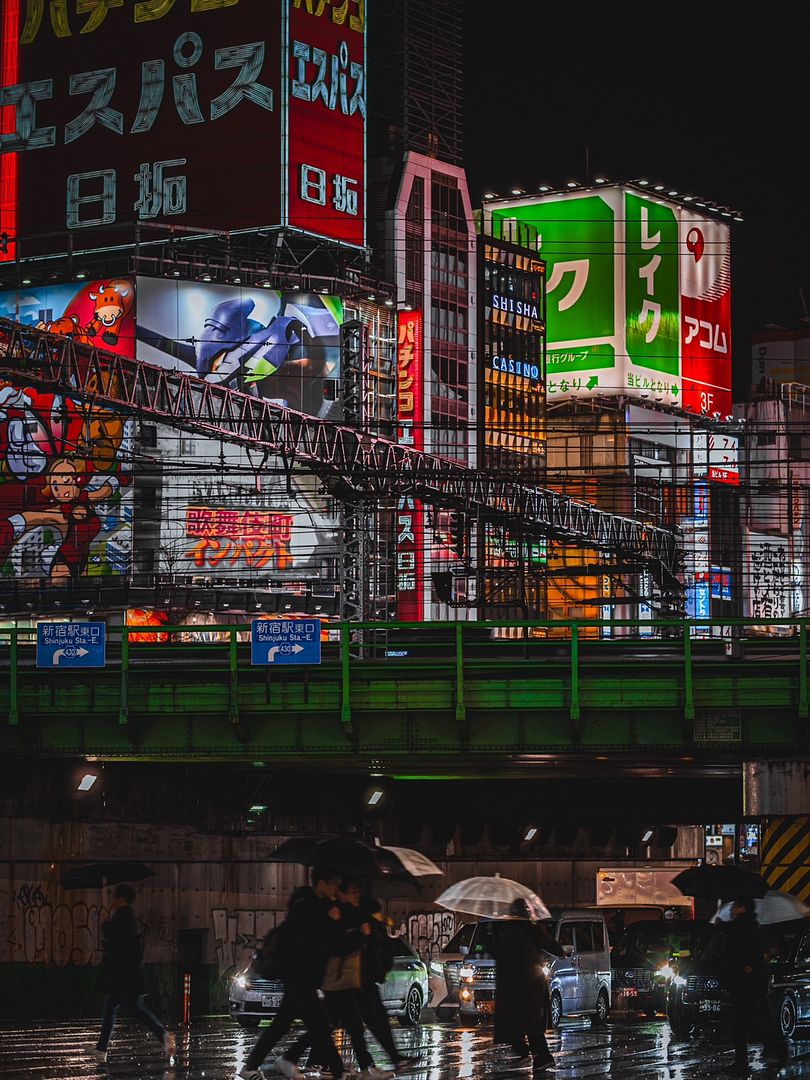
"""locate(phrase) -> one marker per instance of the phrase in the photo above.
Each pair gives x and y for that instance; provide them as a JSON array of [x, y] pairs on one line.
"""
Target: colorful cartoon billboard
[[99, 312], [284, 347], [65, 488], [638, 295], [224, 114]]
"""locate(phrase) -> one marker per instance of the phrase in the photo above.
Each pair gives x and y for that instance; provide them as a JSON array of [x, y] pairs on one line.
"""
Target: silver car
[[404, 991]]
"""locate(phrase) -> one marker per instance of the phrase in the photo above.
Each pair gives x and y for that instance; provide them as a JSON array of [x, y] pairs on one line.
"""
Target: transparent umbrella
[[773, 907], [493, 898]]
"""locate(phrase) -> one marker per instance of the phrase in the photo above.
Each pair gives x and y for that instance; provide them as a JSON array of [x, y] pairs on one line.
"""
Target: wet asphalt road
[[216, 1048]]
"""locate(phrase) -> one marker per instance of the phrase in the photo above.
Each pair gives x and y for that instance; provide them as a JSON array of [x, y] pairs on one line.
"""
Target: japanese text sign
[[410, 432], [71, 645], [285, 641]]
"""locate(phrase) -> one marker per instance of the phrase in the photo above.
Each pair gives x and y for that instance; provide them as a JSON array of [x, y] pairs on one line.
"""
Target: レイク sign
[[410, 432]]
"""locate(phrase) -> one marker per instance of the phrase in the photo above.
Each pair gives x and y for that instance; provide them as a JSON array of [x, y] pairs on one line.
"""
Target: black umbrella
[[720, 883], [346, 854], [98, 874]]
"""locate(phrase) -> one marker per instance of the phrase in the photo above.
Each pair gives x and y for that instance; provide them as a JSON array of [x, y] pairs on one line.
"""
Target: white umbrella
[[415, 862], [492, 898], [773, 907]]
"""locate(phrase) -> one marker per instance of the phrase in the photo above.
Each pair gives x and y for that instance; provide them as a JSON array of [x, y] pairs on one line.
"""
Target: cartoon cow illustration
[[113, 302]]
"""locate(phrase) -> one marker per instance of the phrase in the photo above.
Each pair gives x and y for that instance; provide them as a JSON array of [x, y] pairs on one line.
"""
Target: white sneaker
[[373, 1073], [287, 1068], [246, 1073], [97, 1055]]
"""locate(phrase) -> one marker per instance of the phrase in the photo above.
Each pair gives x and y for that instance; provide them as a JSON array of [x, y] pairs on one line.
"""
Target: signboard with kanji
[[285, 641], [71, 645]]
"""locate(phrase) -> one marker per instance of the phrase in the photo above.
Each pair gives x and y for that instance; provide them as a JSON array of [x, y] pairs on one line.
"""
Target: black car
[[645, 958], [696, 999], [789, 988]]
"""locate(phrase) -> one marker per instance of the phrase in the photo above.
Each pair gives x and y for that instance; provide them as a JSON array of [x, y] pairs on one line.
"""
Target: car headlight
[[666, 972], [436, 969], [679, 980], [240, 981], [546, 970]]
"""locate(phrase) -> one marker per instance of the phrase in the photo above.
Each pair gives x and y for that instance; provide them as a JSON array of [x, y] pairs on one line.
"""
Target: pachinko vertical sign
[[410, 432], [326, 117]]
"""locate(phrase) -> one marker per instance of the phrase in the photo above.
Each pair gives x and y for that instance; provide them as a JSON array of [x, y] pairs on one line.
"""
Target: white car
[[405, 991]]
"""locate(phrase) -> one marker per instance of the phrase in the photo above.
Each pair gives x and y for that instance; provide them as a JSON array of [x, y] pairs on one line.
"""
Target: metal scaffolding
[[354, 465]]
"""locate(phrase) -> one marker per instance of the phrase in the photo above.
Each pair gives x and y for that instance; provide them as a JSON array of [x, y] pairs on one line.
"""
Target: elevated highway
[[449, 700]]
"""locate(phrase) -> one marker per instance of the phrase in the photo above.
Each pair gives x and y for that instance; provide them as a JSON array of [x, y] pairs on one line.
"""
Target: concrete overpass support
[[779, 792]]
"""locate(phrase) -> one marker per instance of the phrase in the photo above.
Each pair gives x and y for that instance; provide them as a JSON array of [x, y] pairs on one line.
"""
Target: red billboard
[[410, 432], [327, 119], [180, 113]]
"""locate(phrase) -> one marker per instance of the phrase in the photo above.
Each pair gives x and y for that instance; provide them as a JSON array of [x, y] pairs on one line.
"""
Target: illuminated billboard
[[282, 346], [98, 312], [512, 349], [226, 114], [638, 294], [410, 521], [66, 494], [65, 488]]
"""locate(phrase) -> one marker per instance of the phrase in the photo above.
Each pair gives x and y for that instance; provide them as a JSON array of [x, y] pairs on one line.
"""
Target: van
[[579, 982]]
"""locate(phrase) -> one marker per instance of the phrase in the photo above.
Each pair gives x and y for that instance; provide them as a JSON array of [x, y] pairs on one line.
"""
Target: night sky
[[711, 99]]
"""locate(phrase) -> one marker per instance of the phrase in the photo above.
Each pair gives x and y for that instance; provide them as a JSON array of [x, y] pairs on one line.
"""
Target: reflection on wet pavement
[[215, 1048]]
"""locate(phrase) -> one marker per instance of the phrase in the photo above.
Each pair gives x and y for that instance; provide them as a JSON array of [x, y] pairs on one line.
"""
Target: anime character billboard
[[65, 488], [282, 346], [98, 312]]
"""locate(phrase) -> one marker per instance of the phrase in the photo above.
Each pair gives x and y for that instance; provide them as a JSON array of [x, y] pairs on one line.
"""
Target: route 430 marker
[[285, 641]]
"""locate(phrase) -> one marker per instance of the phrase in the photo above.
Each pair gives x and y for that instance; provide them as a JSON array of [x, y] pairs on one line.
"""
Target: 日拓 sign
[[71, 645], [285, 641]]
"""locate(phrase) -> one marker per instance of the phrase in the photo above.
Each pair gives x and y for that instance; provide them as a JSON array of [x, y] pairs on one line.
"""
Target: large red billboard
[[327, 119], [180, 112]]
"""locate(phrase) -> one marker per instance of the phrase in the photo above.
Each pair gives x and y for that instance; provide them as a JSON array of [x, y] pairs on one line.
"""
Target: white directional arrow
[[271, 656], [69, 652]]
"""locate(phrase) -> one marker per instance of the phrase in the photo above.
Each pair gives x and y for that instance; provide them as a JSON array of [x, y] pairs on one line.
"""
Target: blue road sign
[[285, 641], [71, 645]]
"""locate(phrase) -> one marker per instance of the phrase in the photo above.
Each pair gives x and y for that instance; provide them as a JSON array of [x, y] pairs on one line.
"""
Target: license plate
[[486, 1006], [709, 1006], [629, 991], [271, 1001]]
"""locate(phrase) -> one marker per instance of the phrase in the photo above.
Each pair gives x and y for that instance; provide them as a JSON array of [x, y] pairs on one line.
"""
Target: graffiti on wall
[[429, 932], [237, 932], [60, 934]]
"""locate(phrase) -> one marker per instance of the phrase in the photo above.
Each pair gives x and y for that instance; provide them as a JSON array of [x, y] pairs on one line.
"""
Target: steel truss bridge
[[432, 699], [355, 465]]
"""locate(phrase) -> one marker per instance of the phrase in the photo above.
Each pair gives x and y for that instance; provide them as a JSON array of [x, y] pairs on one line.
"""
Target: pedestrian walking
[[309, 936], [521, 989], [738, 952], [378, 959], [343, 985], [122, 976]]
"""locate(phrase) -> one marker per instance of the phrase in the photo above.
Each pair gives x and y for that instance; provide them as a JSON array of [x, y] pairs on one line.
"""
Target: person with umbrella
[[310, 935], [738, 951], [122, 975], [521, 989]]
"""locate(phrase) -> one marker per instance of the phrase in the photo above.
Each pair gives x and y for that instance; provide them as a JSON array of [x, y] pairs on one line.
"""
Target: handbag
[[342, 973]]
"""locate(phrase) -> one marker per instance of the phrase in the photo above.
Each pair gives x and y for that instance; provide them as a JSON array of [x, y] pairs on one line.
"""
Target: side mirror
[[463, 949], [568, 950]]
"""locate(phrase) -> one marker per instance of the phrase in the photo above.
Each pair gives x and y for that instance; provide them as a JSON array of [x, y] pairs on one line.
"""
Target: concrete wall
[[211, 899]]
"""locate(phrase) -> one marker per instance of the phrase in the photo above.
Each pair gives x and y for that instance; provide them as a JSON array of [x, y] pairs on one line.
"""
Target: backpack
[[268, 962]]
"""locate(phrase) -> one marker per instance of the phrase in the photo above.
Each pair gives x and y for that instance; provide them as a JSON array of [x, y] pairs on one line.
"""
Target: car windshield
[[655, 943]]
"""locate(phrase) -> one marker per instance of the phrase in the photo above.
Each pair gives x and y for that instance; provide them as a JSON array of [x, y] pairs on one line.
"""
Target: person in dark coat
[[521, 990], [122, 976], [738, 951], [311, 933]]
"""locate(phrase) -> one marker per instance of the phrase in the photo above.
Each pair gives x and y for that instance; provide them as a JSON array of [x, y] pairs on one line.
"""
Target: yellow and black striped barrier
[[785, 862]]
